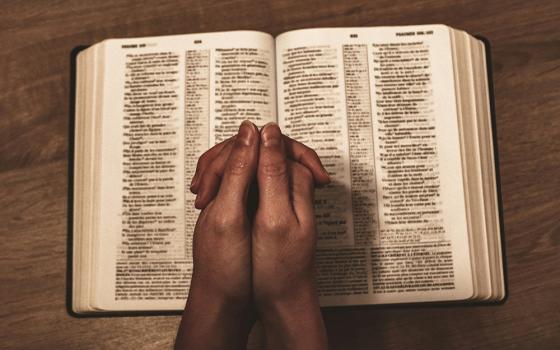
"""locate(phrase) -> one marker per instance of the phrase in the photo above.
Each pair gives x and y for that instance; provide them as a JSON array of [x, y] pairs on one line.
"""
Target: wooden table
[[36, 38]]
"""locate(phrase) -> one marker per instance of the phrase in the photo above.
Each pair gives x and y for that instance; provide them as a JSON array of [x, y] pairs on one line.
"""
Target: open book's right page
[[378, 105]]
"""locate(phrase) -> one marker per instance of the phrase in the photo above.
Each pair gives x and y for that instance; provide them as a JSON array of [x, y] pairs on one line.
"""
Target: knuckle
[[237, 164], [311, 153], [272, 225], [304, 176], [215, 169], [202, 164], [204, 158], [225, 223], [270, 168]]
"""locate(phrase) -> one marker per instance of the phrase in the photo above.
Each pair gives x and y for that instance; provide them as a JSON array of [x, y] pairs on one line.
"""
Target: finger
[[204, 161], [308, 157], [240, 170], [272, 173], [302, 189], [211, 177]]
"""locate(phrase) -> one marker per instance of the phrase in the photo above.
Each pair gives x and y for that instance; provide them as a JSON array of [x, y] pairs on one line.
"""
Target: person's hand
[[211, 165], [283, 247], [224, 260], [219, 301]]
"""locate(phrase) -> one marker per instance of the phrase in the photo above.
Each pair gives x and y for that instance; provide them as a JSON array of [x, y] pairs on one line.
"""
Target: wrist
[[282, 308], [217, 302], [293, 321], [216, 321], [295, 296]]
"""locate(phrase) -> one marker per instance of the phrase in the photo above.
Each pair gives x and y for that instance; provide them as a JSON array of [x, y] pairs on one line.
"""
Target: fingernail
[[271, 135], [246, 133]]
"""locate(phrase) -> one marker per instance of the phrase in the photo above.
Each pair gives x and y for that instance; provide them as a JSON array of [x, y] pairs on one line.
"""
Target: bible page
[[166, 101], [378, 105]]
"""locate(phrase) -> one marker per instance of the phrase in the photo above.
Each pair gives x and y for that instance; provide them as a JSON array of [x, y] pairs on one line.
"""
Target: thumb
[[272, 174], [240, 169]]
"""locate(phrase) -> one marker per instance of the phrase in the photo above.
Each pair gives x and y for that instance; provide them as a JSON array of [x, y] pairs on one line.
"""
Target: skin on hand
[[218, 308], [211, 165], [266, 263], [283, 247]]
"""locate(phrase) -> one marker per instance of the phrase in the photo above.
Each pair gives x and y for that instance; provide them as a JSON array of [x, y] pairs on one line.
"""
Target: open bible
[[400, 116]]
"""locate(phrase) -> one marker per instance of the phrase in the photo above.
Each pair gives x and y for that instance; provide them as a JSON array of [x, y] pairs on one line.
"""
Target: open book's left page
[[165, 101]]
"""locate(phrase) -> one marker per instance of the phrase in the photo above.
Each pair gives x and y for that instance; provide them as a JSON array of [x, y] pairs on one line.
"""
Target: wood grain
[[36, 38]]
